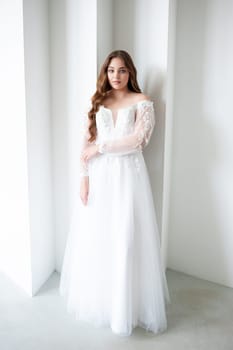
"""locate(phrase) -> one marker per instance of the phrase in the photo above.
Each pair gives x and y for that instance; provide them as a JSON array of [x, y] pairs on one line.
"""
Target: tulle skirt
[[112, 273]]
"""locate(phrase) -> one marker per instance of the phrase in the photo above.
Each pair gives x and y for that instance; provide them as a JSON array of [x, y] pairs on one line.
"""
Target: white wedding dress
[[112, 273]]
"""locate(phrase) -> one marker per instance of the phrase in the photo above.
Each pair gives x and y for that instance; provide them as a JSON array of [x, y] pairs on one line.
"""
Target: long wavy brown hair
[[103, 87]]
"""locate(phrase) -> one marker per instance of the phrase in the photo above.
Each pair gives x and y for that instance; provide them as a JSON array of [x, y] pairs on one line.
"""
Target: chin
[[118, 87]]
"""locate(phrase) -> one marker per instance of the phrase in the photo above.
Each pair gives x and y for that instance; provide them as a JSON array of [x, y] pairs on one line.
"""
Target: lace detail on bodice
[[132, 130], [126, 131]]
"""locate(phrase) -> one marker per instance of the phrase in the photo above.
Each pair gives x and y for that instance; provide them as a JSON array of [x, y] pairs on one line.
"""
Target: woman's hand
[[89, 152], [84, 189]]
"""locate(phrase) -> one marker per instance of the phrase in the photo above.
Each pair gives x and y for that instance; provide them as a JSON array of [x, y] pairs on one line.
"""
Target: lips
[[116, 82]]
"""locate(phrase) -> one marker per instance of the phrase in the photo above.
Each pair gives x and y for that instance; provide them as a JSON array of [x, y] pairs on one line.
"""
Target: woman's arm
[[84, 144], [139, 139], [84, 173]]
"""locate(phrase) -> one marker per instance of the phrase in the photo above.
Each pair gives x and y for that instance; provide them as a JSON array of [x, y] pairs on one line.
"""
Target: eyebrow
[[113, 67]]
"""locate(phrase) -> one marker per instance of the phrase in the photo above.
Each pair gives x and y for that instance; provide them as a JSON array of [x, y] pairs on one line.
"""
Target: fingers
[[84, 197], [84, 200], [84, 157], [88, 153]]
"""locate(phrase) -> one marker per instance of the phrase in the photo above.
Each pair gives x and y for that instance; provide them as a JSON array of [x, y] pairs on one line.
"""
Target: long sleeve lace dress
[[112, 273]]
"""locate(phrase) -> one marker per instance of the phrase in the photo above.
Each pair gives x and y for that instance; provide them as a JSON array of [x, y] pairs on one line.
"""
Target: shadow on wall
[[154, 155], [60, 123]]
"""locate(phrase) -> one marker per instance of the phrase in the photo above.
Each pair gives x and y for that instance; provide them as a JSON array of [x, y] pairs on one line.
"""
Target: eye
[[110, 70], [122, 70]]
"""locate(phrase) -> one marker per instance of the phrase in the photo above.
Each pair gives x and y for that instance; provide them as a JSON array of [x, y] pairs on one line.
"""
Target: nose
[[116, 75]]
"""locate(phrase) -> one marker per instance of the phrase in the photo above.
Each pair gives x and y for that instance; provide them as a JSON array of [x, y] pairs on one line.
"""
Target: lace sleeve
[[139, 139], [84, 143]]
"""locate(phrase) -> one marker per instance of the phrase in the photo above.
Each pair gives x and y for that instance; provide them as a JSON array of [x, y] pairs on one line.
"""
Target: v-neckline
[[114, 117], [114, 123], [117, 110]]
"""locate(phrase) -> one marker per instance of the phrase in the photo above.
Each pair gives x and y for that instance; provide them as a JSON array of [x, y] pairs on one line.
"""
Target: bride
[[112, 273]]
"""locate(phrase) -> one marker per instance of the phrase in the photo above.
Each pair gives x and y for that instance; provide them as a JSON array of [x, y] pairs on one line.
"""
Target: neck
[[120, 94]]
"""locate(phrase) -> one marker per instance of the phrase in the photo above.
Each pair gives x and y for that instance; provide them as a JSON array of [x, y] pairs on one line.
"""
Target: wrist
[[98, 148], [84, 178], [101, 148]]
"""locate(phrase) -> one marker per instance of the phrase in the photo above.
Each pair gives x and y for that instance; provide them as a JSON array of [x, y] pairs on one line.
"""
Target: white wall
[[104, 30], [123, 25], [15, 258], [59, 110], [27, 253], [168, 127], [200, 225], [37, 85]]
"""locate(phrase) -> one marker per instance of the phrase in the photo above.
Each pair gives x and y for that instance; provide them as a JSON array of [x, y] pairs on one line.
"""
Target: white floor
[[199, 317]]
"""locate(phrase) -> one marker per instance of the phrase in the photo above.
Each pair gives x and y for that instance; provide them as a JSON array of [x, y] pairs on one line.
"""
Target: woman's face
[[118, 74]]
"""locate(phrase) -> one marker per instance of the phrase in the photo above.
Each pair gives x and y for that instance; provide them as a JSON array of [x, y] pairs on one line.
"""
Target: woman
[[112, 273]]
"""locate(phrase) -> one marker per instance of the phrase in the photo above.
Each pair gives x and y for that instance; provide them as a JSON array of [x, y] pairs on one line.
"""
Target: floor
[[200, 317]]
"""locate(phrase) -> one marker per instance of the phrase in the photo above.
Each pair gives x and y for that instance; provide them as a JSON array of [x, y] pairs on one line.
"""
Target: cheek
[[126, 78]]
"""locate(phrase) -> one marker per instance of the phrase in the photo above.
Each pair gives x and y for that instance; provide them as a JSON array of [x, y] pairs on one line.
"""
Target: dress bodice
[[109, 127], [118, 123], [125, 131]]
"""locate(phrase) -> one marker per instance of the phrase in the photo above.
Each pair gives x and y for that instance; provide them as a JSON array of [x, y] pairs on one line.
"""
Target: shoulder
[[143, 97], [139, 97], [144, 102]]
